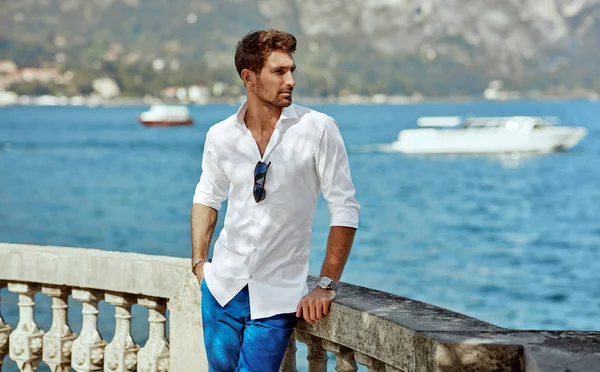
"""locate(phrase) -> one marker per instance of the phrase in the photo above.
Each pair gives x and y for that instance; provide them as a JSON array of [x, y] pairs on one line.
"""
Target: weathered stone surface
[[289, 359], [403, 311], [368, 334], [25, 342], [156, 276], [373, 364], [88, 348], [317, 356], [4, 331], [58, 342], [344, 357], [537, 350], [185, 320], [412, 336], [120, 354], [154, 356], [480, 358]]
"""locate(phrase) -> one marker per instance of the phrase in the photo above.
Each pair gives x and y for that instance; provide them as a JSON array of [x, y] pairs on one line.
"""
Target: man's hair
[[254, 48]]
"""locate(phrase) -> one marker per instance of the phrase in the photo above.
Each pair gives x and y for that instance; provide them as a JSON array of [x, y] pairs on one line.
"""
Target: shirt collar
[[288, 112]]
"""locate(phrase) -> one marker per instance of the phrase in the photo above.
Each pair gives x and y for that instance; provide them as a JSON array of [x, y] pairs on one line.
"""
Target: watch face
[[325, 282]]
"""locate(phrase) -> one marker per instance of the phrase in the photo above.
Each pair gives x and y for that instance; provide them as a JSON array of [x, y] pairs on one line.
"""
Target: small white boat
[[166, 116], [487, 135]]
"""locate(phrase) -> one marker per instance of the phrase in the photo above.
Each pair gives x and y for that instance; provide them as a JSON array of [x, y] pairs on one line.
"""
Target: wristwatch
[[326, 282]]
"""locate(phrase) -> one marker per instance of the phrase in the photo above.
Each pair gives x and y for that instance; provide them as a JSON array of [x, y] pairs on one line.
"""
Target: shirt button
[[251, 276], [255, 250]]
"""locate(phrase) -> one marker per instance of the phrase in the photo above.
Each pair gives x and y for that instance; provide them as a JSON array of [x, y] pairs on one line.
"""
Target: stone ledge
[[156, 276], [414, 315], [416, 336], [394, 330], [545, 350]]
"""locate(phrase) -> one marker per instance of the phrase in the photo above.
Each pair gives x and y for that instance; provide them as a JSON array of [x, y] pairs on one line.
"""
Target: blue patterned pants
[[236, 343]]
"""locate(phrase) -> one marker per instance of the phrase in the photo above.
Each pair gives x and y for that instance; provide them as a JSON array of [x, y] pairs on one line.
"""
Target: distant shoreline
[[346, 101]]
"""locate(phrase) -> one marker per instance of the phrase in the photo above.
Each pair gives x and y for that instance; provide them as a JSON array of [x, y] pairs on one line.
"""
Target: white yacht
[[486, 135]]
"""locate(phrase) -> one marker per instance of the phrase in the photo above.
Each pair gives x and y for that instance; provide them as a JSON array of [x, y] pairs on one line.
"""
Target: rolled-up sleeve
[[212, 189], [334, 173]]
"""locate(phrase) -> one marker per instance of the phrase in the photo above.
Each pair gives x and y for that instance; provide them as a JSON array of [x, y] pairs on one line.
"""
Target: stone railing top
[[416, 336], [414, 315], [141, 274]]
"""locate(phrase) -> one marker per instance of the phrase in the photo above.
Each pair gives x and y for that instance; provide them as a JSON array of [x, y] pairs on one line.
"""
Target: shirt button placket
[[256, 242]]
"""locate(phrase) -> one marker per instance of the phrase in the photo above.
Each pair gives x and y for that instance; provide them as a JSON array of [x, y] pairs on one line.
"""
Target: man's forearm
[[204, 220], [339, 244]]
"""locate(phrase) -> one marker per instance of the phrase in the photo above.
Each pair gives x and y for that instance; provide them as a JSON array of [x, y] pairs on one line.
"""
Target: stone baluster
[[121, 353], [58, 342], [88, 348], [289, 359], [4, 332], [154, 356], [25, 342], [344, 357], [317, 356], [373, 365]]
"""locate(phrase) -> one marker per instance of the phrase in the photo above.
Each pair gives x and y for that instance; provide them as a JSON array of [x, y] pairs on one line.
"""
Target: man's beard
[[274, 100]]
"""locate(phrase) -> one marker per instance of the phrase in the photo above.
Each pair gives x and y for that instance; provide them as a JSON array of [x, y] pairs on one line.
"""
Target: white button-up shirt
[[266, 245]]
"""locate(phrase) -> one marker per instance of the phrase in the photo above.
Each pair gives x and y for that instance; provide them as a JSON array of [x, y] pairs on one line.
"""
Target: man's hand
[[199, 272], [315, 305]]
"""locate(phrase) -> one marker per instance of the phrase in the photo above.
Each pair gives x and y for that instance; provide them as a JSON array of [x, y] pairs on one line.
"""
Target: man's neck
[[260, 115]]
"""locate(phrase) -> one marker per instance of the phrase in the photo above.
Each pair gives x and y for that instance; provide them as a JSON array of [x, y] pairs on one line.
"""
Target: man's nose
[[289, 79]]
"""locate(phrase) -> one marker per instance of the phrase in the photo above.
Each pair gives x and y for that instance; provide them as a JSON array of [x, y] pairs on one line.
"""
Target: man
[[270, 160]]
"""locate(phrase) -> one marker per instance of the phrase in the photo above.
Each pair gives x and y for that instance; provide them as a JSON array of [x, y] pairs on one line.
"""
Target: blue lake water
[[512, 242]]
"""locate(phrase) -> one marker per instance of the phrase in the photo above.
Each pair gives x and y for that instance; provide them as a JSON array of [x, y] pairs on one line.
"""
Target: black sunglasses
[[260, 175]]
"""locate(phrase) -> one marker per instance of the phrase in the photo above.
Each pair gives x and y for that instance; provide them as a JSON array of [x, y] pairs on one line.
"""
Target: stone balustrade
[[365, 327], [90, 276]]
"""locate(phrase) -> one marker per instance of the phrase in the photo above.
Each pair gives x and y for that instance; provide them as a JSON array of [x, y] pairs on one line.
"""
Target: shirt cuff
[[214, 203], [344, 216]]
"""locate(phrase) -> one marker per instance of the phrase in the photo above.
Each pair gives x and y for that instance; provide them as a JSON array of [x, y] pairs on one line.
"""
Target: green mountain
[[362, 46]]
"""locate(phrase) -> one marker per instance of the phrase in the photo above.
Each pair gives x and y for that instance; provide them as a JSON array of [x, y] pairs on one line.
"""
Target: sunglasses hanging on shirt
[[260, 175]]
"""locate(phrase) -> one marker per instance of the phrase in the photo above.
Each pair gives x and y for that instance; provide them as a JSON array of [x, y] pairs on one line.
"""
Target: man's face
[[275, 82]]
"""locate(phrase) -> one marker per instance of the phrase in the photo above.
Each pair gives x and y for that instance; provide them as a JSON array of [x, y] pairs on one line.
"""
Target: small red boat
[[166, 116]]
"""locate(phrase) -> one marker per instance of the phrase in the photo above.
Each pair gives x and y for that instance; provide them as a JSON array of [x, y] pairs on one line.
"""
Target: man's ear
[[248, 77]]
